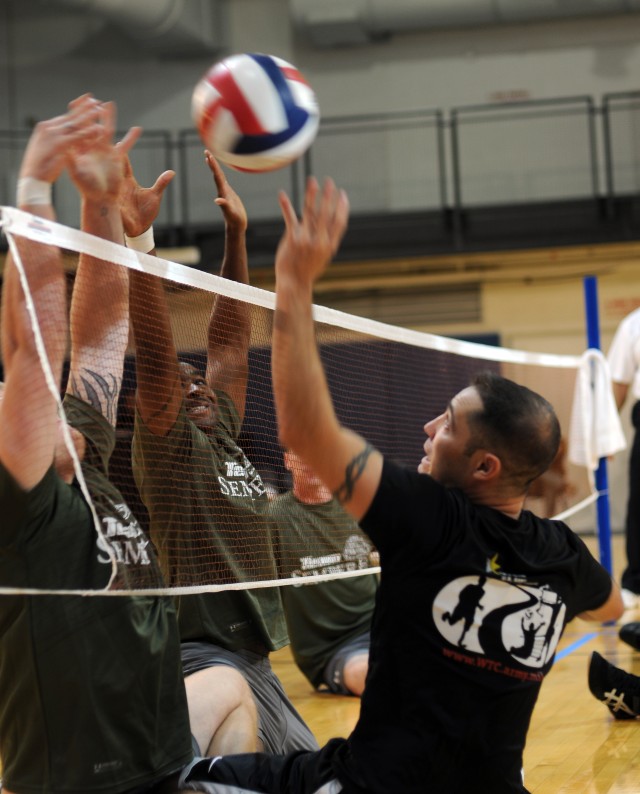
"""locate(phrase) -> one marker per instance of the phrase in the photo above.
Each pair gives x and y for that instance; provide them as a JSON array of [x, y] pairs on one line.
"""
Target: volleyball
[[255, 112]]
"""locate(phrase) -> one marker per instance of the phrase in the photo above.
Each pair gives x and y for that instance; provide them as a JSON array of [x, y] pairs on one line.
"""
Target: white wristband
[[33, 191], [143, 242]]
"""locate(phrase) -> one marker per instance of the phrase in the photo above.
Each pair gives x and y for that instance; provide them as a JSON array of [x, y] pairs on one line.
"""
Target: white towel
[[595, 430]]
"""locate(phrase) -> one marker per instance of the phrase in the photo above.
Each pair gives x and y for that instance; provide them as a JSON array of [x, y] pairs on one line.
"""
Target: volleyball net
[[212, 501]]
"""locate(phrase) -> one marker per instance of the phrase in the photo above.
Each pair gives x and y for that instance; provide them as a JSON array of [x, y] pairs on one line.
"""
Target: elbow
[[287, 436], [295, 436]]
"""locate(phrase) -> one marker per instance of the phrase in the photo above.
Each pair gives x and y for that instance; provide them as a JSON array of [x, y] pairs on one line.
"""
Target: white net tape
[[385, 381]]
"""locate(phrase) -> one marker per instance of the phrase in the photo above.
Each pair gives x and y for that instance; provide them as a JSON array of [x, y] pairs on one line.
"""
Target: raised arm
[[230, 322], [307, 422], [100, 303], [28, 414], [159, 391]]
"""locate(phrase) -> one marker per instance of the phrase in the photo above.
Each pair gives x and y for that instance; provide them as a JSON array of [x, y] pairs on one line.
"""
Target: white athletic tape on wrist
[[32, 191], [143, 242]]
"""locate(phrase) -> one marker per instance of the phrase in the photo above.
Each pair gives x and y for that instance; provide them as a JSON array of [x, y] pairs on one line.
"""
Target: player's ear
[[488, 466]]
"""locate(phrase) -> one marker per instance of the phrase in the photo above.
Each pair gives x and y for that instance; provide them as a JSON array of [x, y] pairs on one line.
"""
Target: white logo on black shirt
[[241, 480], [521, 622], [122, 534]]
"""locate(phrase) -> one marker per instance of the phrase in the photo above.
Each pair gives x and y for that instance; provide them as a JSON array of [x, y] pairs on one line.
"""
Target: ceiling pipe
[[175, 28], [330, 23]]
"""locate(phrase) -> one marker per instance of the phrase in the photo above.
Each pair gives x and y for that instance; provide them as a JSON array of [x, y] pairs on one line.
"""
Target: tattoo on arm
[[99, 391], [352, 474]]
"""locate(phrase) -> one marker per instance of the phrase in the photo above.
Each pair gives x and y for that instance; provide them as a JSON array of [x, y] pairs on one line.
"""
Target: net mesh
[[203, 497]]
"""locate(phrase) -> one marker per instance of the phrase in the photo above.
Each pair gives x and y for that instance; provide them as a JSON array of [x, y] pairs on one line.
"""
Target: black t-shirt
[[470, 610]]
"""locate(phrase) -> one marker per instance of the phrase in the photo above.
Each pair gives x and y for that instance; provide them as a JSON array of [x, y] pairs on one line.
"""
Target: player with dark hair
[[91, 688], [434, 717], [206, 501]]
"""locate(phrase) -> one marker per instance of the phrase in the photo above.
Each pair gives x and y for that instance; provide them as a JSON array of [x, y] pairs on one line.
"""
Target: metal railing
[[564, 148]]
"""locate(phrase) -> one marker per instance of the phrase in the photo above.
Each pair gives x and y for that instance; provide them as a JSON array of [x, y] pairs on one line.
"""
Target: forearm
[[44, 274], [620, 391], [100, 305], [158, 376], [303, 402], [99, 320], [230, 322], [28, 409], [307, 422]]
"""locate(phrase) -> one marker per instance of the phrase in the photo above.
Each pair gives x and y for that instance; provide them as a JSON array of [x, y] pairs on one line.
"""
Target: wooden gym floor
[[574, 747]]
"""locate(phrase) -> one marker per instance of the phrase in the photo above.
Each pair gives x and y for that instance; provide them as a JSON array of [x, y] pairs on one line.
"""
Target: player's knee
[[221, 705], [355, 673], [221, 686]]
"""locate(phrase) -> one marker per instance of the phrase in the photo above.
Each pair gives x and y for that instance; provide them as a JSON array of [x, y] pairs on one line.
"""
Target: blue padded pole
[[601, 479]]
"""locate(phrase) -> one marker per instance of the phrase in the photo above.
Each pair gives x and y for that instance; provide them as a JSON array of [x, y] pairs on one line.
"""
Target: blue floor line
[[575, 645]]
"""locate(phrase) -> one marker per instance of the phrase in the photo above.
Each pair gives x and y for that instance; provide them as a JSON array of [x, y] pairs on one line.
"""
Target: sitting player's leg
[[222, 708], [261, 773], [346, 671], [617, 689], [222, 711], [281, 729], [355, 673]]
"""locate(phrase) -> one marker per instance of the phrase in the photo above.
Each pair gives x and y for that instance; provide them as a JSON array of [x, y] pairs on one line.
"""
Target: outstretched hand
[[98, 171], [52, 141], [235, 214], [310, 243], [139, 206]]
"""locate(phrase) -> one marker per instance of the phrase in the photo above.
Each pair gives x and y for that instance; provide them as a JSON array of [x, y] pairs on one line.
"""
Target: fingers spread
[[129, 140], [162, 181], [288, 213]]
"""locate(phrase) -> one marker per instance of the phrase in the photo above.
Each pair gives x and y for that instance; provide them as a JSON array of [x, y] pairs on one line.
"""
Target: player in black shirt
[[440, 713]]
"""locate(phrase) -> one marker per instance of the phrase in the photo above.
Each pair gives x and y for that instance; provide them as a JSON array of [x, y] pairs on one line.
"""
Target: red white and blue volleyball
[[255, 112]]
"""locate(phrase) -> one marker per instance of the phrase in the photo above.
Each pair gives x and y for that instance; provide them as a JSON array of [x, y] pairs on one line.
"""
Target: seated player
[[328, 622], [206, 501], [435, 716], [91, 688]]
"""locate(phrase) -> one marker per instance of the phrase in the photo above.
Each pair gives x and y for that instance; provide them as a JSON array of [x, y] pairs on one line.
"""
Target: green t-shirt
[[91, 692], [314, 540], [208, 521]]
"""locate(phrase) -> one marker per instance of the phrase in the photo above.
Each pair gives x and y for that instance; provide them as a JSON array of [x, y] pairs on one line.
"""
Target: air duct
[[329, 23], [173, 28]]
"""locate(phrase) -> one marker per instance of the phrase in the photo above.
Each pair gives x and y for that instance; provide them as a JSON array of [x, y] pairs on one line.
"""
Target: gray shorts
[[333, 673], [280, 727]]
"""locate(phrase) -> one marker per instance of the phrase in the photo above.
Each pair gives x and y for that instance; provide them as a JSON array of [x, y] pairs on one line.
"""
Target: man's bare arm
[[28, 413], [620, 391], [159, 391], [100, 303], [307, 422], [612, 608], [230, 322]]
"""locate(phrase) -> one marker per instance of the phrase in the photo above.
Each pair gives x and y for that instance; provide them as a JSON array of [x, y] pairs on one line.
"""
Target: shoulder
[[629, 326], [401, 481], [99, 432], [50, 502]]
